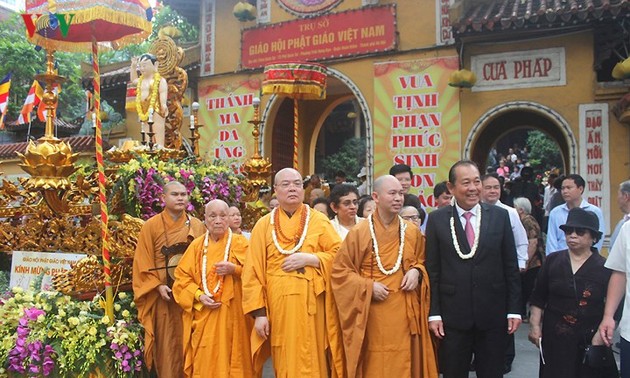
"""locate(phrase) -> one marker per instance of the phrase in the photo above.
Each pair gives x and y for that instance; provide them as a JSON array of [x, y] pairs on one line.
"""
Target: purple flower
[[33, 312]]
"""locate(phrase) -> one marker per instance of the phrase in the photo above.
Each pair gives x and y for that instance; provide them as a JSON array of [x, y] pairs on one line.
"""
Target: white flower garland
[[204, 263], [403, 227], [473, 249], [302, 238]]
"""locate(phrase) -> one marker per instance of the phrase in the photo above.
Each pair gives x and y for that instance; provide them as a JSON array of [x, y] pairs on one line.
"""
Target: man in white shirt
[[623, 201], [618, 288], [572, 190], [490, 194]]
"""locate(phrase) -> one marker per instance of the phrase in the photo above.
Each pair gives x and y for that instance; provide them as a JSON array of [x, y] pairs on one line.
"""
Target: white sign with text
[[27, 266], [519, 69], [594, 166]]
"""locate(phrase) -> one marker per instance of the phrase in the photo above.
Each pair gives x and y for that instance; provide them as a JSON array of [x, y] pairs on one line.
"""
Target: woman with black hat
[[570, 291]]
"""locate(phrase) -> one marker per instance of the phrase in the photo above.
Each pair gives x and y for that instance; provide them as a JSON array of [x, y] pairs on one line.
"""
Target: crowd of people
[[337, 283]]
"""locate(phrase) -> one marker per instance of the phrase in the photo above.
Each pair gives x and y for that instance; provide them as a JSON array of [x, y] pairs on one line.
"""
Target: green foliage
[[349, 159], [166, 16], [20, 58], [544, 153]]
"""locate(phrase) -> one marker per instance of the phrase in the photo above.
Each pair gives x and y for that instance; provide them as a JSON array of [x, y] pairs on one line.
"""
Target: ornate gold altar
[[56, 208]]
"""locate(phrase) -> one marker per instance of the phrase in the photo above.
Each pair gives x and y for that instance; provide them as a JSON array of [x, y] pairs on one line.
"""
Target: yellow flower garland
[[144, 117]]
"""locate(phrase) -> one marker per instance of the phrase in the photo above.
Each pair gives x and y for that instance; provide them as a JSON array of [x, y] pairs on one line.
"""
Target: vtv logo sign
[[57, 20]]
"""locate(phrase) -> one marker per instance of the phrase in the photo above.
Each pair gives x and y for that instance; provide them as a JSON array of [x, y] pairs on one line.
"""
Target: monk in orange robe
[[216, 334], [382, 293], [158, 313], [286, 286]]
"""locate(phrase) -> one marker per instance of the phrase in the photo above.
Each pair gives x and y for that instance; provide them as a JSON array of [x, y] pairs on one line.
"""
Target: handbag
[[598, 356]]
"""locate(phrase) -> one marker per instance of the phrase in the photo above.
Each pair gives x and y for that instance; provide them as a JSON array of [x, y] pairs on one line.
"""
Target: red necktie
[[470, 233]]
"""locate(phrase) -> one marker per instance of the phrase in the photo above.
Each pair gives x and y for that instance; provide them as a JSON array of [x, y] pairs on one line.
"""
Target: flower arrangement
[[140, 184], [48, 334]]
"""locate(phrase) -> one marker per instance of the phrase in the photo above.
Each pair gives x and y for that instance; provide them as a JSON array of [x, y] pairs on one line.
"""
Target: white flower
[[41, 318], [122, 295], [125, 313], [17, 290], [117, 307], [105, 319]]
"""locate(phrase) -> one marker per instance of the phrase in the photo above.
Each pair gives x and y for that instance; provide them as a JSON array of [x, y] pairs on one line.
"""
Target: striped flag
[[41, 108], [32, 99], [130, 101], [5, 86]]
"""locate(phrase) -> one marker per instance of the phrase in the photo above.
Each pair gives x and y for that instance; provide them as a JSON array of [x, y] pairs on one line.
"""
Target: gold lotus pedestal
[[49, 161], [257, 168]]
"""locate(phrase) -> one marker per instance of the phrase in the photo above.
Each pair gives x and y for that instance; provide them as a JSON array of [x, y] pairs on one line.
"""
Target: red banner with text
[[351, 33]]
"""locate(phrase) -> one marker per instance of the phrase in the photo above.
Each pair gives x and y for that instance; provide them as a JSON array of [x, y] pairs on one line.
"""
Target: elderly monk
[[286, 285], [158, 313], [382, 298], [208, 288]]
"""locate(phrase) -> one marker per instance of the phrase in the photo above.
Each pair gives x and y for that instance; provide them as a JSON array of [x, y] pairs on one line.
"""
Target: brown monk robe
[[384, 317], [158, 313], [216, 332]]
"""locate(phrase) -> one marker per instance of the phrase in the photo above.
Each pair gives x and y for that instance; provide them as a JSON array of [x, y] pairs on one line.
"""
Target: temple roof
[[63, 127], [502, 15], [83, 143]]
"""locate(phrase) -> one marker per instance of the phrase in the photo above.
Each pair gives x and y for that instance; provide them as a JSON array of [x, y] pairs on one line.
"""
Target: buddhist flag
[[41, 109], [5, 85], [130, 102], [32, 99]]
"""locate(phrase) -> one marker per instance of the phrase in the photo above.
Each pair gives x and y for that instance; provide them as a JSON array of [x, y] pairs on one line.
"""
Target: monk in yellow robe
[[216, 334], [382, 293], [286, 286], [158, 313]]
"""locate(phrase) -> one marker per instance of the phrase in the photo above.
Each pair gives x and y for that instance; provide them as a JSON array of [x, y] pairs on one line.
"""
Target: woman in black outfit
[[570, 291]]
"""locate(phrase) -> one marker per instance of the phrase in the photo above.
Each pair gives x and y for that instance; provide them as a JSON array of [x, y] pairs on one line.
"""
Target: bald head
[[289, 189], [388, 195], [173, 185], [216, 218], [385, 181], [175, 198], [216, 204], [284, 172]]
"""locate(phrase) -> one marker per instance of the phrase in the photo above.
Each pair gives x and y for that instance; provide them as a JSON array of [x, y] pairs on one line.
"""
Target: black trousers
[[457, 347]]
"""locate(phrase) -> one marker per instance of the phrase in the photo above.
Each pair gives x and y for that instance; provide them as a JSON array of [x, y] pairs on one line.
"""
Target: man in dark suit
[[474, 277]]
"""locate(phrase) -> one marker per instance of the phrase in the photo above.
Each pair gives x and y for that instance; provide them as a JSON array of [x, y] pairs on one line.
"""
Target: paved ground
[[525, 364]]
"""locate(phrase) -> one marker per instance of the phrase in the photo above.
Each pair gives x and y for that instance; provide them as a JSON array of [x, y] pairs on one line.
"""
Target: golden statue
[[169, 57]]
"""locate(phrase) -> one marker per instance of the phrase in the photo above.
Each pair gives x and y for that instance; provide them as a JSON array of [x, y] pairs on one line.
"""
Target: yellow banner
[[417, 121], [224, 112]]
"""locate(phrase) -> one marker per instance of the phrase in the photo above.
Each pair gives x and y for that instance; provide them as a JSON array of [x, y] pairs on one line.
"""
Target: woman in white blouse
[[344, 202]]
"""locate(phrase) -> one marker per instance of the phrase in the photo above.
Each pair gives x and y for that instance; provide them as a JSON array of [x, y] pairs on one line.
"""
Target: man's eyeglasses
[[411, 217], [578, 231]]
